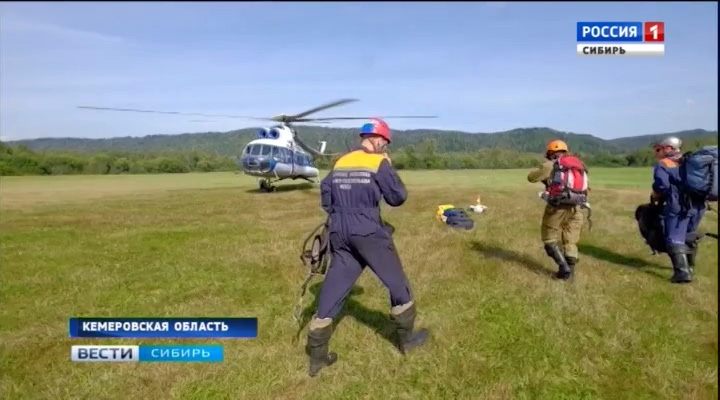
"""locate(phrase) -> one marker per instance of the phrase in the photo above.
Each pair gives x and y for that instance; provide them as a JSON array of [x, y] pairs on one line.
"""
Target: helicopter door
[[291, 161]]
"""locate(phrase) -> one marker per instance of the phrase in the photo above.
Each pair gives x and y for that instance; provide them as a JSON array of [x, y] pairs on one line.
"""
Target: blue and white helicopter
[[278, 153]]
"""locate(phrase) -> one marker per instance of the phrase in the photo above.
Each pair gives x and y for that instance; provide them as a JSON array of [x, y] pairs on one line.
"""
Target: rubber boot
[[681, 268], [691, 256], [564, 271], [317, 348], [404, 319], [572, 262]]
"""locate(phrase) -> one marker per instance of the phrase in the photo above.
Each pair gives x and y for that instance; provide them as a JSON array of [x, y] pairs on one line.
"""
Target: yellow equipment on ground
[[441, 209]]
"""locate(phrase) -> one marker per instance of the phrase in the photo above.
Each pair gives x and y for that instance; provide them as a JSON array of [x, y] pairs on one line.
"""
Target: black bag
[[649, 219]]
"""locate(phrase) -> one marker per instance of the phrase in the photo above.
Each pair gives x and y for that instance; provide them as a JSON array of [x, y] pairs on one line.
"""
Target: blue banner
[[608, 32], [181, 353], [163, 328]]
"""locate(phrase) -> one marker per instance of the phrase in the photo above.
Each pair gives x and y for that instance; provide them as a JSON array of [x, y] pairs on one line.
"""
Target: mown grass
[[209, 244]]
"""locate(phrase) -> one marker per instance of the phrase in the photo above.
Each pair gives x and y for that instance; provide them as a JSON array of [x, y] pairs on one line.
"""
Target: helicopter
[[278, 153]]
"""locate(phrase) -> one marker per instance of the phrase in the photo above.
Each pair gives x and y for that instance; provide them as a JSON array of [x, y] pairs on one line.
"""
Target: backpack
[[568, 183], [458, 218], [699, 173]]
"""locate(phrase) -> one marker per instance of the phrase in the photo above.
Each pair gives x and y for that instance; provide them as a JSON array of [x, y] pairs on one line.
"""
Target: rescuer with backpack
[[566, 188], [683, 184]]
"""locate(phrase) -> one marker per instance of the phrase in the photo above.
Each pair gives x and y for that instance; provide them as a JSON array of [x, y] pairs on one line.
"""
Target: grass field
[[210, 245]]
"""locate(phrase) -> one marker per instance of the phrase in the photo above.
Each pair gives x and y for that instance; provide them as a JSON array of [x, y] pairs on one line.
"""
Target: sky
[[480, 67]]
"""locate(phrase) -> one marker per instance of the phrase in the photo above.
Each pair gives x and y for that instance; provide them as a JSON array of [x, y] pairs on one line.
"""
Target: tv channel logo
[[620, 39], [105, 353], [654, 32], [148, 353]]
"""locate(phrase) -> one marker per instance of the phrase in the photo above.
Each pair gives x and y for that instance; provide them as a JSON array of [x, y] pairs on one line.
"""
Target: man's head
[[555, 148], [375, 136], [667, 147]]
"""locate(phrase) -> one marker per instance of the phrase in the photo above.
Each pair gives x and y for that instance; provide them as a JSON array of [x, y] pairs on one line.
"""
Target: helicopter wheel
[[266, 185]]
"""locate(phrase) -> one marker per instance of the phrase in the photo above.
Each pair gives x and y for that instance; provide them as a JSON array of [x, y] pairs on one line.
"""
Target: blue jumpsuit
[[351, 195], [681, 216]]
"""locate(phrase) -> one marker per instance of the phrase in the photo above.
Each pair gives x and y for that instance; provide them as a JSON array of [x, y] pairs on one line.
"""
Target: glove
[[388, 227]]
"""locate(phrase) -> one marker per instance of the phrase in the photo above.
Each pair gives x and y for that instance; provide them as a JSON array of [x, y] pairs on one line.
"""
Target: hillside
[[415, 149], [229, 144], [638, 142]]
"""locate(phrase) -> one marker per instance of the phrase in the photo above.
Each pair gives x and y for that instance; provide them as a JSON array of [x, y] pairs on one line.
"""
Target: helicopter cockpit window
[[255, 149], [266, 150], [278, 153], [247, 149]]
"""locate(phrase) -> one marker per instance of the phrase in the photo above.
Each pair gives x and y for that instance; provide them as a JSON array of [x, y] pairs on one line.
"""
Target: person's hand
[[388, 227]]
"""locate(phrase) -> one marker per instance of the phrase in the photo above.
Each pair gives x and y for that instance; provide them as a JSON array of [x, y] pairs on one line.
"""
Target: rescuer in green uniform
[[563, 219]]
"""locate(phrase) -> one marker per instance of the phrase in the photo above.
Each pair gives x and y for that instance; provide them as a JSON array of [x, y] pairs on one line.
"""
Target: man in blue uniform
[[351, 195], [681, 214]]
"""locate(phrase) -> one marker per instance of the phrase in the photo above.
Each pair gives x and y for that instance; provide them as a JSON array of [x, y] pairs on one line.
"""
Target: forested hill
[[525, 140], [415, 149], [638, 142]]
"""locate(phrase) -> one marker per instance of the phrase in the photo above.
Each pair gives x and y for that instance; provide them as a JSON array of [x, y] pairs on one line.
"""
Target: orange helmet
[[556, 145]]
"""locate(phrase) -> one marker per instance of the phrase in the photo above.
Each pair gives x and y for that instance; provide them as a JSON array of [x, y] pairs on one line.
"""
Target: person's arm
[[661, 182], [391, 186], [326, 192], [541, 174]]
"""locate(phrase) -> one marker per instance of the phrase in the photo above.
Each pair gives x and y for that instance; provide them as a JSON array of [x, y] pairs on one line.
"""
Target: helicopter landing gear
[[266, 185]]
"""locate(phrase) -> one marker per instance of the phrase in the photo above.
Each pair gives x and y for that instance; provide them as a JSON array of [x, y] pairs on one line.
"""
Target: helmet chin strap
[[375, 148], [380, 149]]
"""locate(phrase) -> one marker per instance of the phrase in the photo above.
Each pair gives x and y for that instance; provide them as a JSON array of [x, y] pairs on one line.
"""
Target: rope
[[298, 307], [304, 256], [589, 218]]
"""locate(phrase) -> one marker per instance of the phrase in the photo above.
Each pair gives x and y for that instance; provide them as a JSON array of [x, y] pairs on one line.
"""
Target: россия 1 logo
[[620, 39]]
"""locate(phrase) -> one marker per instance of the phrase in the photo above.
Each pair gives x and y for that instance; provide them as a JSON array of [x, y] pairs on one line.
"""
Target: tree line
[[21, 160], [230, 144], [427, 154]]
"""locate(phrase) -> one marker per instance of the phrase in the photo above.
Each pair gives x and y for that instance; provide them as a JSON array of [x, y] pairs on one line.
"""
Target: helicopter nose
[[259, 163]]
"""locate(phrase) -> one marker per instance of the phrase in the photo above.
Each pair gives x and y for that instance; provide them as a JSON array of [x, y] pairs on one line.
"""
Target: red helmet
[[376, 127]]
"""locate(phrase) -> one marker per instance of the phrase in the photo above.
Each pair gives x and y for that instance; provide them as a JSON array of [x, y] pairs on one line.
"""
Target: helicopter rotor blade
[[325, 106], [172, 112], [354, 118], [287, 119], [313, 122]]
